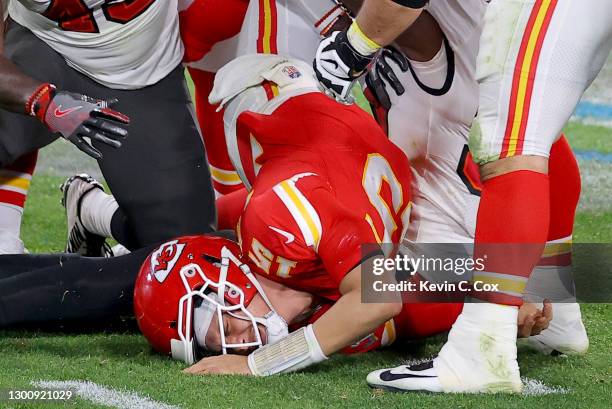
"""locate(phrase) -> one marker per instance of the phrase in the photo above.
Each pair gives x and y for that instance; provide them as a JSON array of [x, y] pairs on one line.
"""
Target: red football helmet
[[202, 271]]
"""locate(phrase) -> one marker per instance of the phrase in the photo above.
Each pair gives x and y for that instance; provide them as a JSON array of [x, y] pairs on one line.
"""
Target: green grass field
[[123, 361]]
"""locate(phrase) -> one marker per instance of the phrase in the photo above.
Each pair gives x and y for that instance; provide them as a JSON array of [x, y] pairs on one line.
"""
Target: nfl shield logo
[[292, 72]]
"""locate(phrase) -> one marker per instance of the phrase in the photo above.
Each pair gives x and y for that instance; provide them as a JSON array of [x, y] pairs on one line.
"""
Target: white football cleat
[[10, 244], [404, 378], [565, 334], [80, 240], [479, 356]]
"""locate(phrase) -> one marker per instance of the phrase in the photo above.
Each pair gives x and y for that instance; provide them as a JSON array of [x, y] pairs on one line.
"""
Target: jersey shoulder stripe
[[302, 211]]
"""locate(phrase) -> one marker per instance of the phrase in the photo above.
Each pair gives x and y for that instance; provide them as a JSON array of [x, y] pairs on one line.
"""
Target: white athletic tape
[[104, 396]]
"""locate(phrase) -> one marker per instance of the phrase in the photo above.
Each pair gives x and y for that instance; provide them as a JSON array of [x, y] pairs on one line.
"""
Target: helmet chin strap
[[276, 326]]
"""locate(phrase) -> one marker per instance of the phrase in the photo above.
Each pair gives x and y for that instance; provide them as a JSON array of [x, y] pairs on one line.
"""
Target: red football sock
[[550, 277], [514, 211], [565, 186], [417, 321]]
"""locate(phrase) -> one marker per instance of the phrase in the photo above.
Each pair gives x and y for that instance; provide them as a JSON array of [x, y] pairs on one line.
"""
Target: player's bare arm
[[74, 116], [15, 87], [383, 20], [339, 327], [420, 42], [345, 55]]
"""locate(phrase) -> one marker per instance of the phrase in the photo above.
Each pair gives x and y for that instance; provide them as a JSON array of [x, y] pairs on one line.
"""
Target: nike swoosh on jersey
[[290, 237], [389, 376], [59, 113]]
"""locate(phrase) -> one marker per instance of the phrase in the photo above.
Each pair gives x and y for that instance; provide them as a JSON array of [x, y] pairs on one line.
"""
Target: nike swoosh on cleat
[[59, 113], [388, 376], [290, 237]]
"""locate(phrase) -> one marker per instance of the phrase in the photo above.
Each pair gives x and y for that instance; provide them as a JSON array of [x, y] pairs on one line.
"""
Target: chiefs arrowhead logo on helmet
[[164, 259]]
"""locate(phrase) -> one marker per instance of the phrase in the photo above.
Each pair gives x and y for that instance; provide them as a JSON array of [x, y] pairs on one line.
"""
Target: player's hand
[[532, 320], [228, 364], [382, 73], [81, 119], [338, 65]]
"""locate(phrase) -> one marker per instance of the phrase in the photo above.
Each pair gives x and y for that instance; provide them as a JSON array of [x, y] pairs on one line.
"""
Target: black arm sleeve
[[37, 289], [413, 4]]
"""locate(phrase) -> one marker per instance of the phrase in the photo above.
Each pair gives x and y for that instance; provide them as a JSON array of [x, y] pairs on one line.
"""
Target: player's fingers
[[525, 328], [377, 86], [387, 73], [87, 148], [195, 369], [102, 138], [110, 114], [547, 310], [540, 325], [90, 130], [398, 57], [110, 128]]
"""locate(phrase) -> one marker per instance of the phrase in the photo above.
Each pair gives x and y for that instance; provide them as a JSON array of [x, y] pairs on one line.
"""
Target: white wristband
[[292, 353]]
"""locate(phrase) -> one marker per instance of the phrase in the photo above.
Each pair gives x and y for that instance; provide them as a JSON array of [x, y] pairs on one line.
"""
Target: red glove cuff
[[39, 101]]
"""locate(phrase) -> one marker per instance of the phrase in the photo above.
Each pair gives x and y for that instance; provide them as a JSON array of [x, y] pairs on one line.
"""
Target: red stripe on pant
[[25, 164], [268, 25], [518, 71], [532, 75]]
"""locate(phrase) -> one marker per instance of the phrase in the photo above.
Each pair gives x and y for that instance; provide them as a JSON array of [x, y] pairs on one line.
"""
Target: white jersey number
[[376, 174]]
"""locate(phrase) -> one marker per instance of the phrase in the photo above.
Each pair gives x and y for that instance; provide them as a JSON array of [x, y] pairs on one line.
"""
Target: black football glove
[[381, 74], [338, 65], [79, 118]]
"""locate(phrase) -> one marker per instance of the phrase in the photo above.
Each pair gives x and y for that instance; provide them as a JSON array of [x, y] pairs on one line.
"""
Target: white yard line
[[105, 396]]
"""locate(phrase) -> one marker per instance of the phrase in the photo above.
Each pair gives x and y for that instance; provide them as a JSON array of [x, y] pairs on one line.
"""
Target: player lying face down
[[323, 181], [314, 167], [196, 296]]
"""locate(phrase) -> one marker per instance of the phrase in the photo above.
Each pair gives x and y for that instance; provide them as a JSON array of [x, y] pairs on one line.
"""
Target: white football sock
[[480, 354], [10, 219], [97, 211]]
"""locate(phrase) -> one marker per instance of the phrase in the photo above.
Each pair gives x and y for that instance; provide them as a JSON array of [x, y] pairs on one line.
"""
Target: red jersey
[[325, 180]]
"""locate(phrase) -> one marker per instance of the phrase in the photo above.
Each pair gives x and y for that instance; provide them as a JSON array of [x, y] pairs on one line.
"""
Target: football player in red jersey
[[323, 182], [322, 177], [320, 189], [198, 296], [128, 50]]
